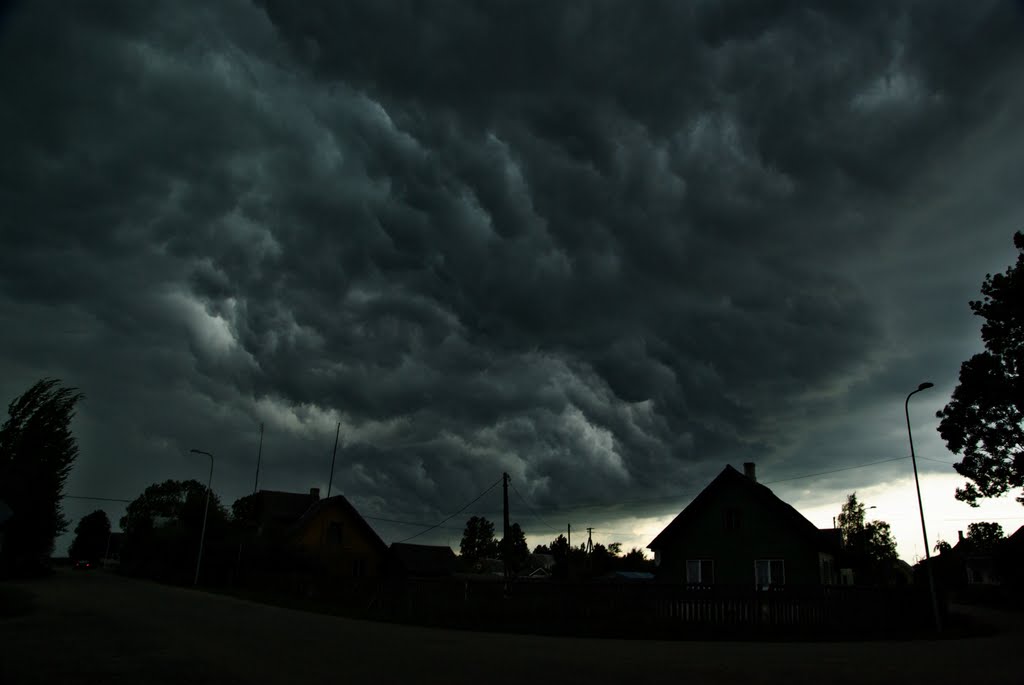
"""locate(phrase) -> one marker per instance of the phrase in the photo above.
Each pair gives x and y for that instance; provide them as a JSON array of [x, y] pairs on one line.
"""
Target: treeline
[[479, 545]]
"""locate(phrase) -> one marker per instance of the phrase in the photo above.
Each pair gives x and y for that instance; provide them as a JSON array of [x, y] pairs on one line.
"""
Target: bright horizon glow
[[895, 502]]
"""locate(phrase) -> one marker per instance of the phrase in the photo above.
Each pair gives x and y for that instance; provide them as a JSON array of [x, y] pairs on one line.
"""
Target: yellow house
[[333, 532]]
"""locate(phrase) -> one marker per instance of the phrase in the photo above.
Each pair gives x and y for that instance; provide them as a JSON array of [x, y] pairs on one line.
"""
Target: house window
[[335, 533], [358, 568], [827, 573], [700, 571], [732, 519], [769, 573]]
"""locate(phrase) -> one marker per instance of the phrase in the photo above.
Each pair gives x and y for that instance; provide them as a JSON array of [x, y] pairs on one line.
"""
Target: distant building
[[738, 532], [329, 532]]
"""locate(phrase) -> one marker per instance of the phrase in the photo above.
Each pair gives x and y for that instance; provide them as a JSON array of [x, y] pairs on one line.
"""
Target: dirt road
[[101, 628]]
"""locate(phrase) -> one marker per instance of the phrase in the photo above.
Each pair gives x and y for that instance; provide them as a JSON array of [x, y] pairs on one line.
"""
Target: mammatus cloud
[[606, 248]]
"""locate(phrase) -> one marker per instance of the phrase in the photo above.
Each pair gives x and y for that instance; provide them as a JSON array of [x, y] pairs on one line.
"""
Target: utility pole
[[506, 543], [590, 540], [334, 455], [259, 456]]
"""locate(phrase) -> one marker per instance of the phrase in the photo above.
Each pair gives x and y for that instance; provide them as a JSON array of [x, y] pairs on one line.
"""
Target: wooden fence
[[628, 609]]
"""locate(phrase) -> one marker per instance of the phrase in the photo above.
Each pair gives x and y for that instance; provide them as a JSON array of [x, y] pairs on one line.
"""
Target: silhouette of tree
[[91, 535], [635, 560], [851, 519], [869, 546], [163, 525], [984, 420], [517, 550], [941, 546], [879, 545], [615, 548], [542, 549], [559, 548], [985, 535], [37, 450], [478, 540]]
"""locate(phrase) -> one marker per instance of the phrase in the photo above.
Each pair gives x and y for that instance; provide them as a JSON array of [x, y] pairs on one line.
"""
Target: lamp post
[[920, 507], [206, 510]]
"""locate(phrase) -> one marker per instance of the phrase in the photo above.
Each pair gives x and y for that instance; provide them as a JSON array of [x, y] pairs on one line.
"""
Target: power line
[[98, 499], [451, 516], [532, 512], [408, 523], [941, 461], [825, 473]]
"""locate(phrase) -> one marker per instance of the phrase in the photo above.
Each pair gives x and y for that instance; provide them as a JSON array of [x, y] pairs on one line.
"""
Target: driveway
[[101, 628]]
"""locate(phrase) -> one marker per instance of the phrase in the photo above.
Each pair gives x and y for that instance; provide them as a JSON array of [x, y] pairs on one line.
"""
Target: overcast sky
[[607, 247]]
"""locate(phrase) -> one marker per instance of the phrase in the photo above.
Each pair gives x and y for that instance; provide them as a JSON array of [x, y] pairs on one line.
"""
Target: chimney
[[750, 470], [960, 534], [314, 493]]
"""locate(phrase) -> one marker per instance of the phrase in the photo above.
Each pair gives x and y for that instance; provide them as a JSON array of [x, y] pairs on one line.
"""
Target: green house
[[738, 533]]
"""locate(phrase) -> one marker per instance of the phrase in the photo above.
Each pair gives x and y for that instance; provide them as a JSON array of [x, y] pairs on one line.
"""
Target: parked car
[[83, 565]]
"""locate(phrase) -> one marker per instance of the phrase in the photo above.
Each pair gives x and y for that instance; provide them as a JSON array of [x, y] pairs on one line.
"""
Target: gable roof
[[346, 506], [275, 505], [424, 560], [730, 478]]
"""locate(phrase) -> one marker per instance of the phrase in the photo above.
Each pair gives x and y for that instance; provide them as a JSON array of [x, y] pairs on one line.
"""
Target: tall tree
[[478, 540], [162, 529], [879, 544], [869, 546], [37, 450], [985, 535], [91, 536], [984, 420], [851, 519], [173, 503], [518, 551]]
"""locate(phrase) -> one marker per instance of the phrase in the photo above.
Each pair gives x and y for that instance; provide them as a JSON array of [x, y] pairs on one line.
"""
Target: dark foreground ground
[[94, 627]]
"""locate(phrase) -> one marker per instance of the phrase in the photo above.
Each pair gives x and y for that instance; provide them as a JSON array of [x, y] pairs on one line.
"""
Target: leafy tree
[[542, 549], [37, 450], [984, 420], [560, 548], [600, 559], [851, 519], [615, 548], [879, 544], [869, 546], [175, 504], [478, 540], [635, 560], [941, 546], [91, 536], [984, 535], [517, 550], [162, 529]]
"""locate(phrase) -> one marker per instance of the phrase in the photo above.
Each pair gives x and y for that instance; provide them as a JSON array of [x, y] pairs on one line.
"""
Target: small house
[[738, 532]]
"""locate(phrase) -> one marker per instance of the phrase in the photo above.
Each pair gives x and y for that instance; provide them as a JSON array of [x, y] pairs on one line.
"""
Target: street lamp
[[920, 507], [206, 509]]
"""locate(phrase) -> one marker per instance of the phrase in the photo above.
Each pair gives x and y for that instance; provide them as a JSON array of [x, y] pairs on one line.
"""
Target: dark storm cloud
[[606, 246]]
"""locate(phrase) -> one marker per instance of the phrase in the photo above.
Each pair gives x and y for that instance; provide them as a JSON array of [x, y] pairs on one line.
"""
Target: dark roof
[[731, 478], [277, 506], [344, 504], [632, 576], [424, 560]]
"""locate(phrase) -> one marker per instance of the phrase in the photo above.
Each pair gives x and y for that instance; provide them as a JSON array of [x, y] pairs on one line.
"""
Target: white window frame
[[772, 582], [700, 580]]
